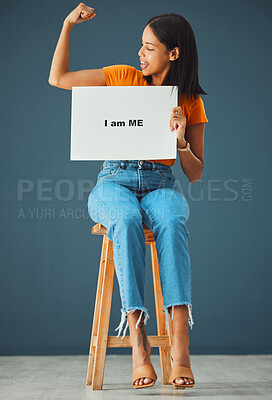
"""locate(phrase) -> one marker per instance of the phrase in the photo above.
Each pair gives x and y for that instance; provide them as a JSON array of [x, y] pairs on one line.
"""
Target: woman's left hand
[[178, 122]]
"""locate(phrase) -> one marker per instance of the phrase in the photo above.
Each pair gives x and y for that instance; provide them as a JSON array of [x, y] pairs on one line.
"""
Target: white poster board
[[122, 122]]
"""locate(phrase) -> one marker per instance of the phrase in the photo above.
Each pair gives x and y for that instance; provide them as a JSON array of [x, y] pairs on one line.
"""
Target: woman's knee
[[121, 213], [96, 209], [166, 204]]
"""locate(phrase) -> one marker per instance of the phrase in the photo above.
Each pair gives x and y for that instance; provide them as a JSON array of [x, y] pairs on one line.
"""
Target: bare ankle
[[138, 337], [132, 319]]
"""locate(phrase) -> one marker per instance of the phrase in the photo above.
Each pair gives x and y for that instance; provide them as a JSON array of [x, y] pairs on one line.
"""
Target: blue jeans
[[128, 193]]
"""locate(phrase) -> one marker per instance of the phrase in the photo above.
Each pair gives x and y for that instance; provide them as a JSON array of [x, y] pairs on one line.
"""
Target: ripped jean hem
[[124, 314], [167, 313]]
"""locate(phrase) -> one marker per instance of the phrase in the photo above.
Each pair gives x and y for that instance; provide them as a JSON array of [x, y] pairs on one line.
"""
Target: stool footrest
[[155, 341]]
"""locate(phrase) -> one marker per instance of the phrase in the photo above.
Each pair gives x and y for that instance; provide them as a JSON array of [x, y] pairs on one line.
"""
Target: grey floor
[[63, 377]]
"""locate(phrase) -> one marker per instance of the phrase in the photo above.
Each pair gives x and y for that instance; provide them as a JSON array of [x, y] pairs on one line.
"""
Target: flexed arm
[[60, 75]]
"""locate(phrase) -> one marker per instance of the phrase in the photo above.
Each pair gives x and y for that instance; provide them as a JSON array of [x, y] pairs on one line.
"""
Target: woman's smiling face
[[155, 56]]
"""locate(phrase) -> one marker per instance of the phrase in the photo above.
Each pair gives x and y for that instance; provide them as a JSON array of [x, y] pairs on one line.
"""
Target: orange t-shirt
[[125, 75]]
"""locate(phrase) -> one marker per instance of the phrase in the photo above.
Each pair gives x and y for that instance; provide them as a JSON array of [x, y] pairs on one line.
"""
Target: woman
[[130, 192]]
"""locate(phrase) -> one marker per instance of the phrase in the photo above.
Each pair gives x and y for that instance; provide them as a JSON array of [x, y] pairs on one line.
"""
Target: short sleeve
[[118, 75], [196, 112]]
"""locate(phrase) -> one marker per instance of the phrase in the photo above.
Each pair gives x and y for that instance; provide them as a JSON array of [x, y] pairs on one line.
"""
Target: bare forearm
[[191, 165], [60, 61]]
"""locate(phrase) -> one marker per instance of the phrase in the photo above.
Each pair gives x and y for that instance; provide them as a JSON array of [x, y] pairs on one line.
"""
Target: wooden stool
[[100, 340]]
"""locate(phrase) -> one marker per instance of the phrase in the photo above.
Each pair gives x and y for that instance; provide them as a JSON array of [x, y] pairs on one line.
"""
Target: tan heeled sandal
[[178, 371], [146, 371]]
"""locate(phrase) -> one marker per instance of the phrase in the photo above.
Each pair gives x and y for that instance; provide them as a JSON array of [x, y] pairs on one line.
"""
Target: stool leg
[[96, 310], [164, 351], [103, 319], [104, 289]]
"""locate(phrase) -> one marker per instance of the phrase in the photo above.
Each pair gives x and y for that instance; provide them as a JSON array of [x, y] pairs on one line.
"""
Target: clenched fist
[[80, 14]]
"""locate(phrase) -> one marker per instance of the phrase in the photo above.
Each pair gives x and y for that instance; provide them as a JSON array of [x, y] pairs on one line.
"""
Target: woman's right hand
[[80, 14]]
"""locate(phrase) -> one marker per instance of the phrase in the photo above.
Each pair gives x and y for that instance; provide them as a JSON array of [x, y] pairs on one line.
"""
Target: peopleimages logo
[[66, 195], [47, 190]]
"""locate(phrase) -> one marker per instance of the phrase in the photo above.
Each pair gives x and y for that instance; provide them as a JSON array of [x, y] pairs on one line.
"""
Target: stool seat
[[100, 229], [100, 340]]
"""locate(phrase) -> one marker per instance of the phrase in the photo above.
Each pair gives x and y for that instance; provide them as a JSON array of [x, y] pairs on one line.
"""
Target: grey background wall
[[49, 259]]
